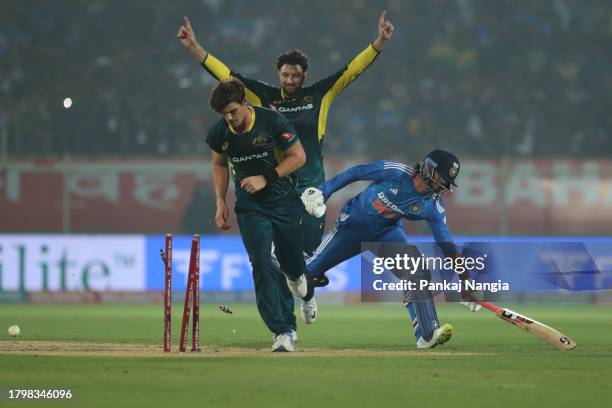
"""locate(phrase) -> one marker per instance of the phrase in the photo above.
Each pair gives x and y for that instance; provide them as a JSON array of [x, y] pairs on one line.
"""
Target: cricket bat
[[546, 333]]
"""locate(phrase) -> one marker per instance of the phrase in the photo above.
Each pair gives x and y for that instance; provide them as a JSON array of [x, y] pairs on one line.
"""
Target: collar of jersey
[[286, 98], [250, 125]]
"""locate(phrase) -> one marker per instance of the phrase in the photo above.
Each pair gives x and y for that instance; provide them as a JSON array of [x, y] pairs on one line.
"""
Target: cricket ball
[[14, 331]]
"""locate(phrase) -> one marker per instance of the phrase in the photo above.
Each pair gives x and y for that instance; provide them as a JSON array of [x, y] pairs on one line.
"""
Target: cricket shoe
[[309, 310], [441, 335], [299, 287], [318, 281], [313, 283], [284, 342]]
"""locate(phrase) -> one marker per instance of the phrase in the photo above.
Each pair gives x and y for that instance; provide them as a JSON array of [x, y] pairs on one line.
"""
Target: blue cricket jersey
[[390, 198]]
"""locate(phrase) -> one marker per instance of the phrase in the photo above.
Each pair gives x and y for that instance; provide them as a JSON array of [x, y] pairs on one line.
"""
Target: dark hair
[[225, 93], [292, 57]]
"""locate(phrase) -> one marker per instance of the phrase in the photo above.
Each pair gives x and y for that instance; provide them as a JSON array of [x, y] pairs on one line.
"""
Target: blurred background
[[520, 90]]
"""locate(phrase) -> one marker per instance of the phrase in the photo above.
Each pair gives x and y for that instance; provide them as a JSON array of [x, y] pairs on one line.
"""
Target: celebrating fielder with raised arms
[[398, 192]]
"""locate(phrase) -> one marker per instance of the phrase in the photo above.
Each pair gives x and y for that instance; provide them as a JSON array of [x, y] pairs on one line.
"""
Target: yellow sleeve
[[350, 73], [221, 72], [216, 68], [353, 70]]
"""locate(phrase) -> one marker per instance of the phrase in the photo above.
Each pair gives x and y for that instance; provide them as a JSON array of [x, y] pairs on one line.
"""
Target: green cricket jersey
[[261, 146], [307, 110]]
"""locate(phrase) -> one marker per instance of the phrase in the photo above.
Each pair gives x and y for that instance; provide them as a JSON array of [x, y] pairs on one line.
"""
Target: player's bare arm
[[187, 37], [385, 31], [295, 157], [220, 175]]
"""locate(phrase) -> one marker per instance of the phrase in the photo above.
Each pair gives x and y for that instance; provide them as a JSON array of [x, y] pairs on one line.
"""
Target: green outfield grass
[[354, 356]]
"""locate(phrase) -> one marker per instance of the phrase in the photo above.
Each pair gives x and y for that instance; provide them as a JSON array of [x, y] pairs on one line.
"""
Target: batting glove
[[314, 202], [472, 306], [470, 299]]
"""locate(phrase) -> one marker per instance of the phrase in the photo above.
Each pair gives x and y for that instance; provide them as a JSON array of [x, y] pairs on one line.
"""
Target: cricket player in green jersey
[[263, 151], [306, 107]]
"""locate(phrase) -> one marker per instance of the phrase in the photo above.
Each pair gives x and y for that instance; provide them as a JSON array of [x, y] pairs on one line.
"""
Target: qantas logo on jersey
[[282, 109], [250, 157]]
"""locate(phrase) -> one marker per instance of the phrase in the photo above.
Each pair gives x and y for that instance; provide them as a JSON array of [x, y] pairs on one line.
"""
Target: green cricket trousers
[[260, 226]]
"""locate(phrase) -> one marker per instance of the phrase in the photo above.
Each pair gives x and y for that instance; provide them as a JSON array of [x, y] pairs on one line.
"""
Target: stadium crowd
[[485, 79]]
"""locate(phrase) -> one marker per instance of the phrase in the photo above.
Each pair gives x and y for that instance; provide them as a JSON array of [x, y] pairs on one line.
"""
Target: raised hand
[[186, 34], [385, 31], [385, 28]]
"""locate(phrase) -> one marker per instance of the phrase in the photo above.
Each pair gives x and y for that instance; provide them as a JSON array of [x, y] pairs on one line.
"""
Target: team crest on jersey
[[225, 146], [307, 99], [415, 208], [393, 190], [260, 141]]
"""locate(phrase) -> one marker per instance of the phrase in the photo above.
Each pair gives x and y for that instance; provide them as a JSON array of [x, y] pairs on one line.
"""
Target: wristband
[[270, 174]]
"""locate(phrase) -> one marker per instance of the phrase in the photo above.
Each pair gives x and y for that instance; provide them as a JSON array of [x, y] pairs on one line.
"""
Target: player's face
[[291, 78], [438, 184], [431, 185], [235, 114]]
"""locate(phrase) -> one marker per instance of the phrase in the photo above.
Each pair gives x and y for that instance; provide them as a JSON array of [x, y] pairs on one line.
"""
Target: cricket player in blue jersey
[[398, 192]]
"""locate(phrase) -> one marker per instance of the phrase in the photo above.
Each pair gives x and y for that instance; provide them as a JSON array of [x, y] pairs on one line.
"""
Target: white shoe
[[441, 335], [309, 311], [299, 287], [284, 341]]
